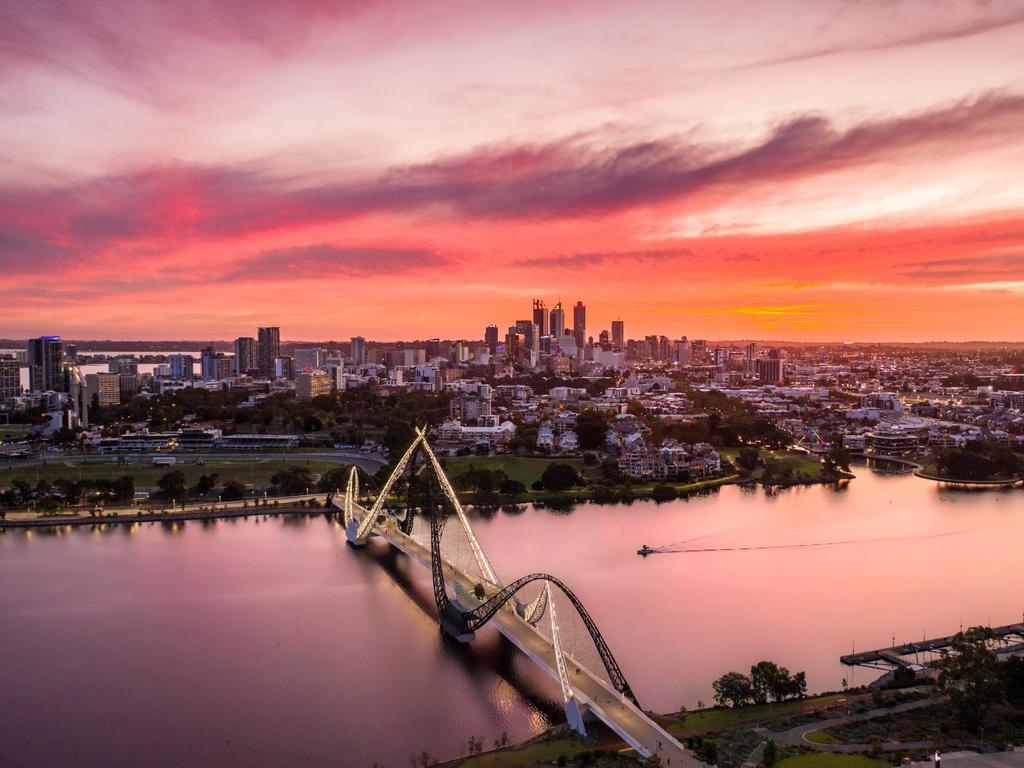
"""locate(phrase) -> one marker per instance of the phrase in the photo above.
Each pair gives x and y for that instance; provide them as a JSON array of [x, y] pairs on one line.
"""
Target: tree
[[971, 676], [664, 493], [771, 754], [559, 477], [512, 488], [172, 485], [478, 591], [764, 677], [206, 484], [295, 478], [591, 429], [747, 458], [837, 460], [233, 490], [733, 688]]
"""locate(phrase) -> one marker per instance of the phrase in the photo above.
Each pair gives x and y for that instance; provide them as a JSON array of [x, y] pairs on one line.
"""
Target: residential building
[[357, 351], [10, 379], [245, 355], [103, 388], [182, 366], [491, 338], [268, 349], [310, 357]]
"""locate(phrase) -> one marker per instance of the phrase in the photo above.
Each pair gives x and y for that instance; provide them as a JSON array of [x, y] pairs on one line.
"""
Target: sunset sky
[[798, 170]]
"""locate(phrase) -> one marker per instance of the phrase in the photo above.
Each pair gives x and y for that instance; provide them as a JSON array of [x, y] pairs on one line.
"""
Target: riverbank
[[305, 503]]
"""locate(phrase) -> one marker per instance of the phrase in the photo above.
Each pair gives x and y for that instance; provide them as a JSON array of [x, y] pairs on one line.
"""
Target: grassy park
[[146, 475]]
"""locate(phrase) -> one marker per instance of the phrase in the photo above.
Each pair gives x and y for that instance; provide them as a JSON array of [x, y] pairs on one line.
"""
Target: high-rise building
[[123, 365], [310, 357], [557, 320], [618, 334], [284, 367], [104, 387], [71, 352], [540, 316], [699, 347], [491, 338], [357, 351], [530, 333], [245, 355], [769, 369], [750, 359], [579, 324], [268, 349], [207, 364], [10, 379], [310, 384], [45, 362], [514, 345], [604, 340], [433, 348], [182, 366]]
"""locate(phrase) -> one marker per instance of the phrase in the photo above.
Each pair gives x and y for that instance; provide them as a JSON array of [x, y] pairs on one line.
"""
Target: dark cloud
[[591, 259], [167, 205], [331, 261], [978, 268]]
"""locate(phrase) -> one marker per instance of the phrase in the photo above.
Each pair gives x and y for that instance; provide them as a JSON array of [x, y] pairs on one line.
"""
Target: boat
[[644, 551]]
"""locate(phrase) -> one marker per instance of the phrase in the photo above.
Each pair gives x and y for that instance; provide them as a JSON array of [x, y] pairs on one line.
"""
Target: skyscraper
[[268, 349], [245, 355], [579, 324], [491, 338], [618, 334], [540, 316], [557, 320], [45, 356], [357, 351], [182, 366]]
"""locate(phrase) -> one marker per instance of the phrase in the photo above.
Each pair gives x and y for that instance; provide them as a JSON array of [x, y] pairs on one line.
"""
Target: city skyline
[[849, 172]]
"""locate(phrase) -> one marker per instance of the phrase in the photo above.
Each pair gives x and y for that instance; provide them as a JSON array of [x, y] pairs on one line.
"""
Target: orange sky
[[800, 170]]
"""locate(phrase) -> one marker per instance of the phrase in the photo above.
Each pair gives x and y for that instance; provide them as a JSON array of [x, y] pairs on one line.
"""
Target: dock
[[1010, 638]]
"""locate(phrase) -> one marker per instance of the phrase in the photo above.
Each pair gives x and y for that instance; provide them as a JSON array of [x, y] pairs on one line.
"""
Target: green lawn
[[525, 470], [830, 760], [146, 475], [703, 720]]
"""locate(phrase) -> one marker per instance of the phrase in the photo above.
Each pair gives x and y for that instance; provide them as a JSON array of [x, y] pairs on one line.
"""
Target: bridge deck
[[593, 693]]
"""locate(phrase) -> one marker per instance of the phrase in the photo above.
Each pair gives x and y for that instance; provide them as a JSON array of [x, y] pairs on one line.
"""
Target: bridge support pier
[[352, 534], [574, 717], [451, 621]]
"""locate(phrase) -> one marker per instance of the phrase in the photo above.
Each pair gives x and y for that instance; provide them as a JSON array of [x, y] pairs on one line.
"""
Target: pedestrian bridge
[[537, 613]]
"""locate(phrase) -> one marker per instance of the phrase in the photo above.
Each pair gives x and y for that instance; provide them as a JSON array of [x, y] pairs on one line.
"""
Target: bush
[[512, 488], [664, 493]]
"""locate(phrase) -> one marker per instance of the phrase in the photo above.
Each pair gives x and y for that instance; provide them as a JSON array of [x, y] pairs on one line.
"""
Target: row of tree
[[766, 682]]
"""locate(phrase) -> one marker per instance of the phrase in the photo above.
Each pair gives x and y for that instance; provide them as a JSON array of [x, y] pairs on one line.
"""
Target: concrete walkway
[[797, 736]]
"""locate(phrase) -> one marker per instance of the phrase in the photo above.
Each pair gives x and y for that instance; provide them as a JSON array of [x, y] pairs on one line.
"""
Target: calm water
[[265, 643]]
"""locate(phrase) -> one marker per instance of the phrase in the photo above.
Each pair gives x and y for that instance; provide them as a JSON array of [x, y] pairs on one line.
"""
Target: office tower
[[310, 384], [310, 358], [681, 351], [604, 340], [769, 369], [268, 349], [618, 334], [357, 351], [284, 367], [182, 366], [514, 344], [699, 347], [245, 355], [540, 316], [71, 352], [10, 379], [45, 358], [433, 348], [579, 324], [491, 338], [557, 320], [530, 333], [750, 359]]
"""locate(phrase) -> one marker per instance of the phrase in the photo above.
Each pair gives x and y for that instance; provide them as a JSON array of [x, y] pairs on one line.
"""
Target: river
[[270, 642]]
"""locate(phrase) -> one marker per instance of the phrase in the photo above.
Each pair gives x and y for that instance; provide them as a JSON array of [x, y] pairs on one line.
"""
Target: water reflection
[[276, 630]]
